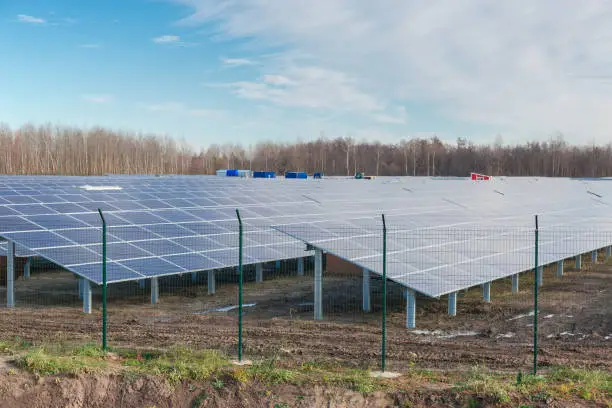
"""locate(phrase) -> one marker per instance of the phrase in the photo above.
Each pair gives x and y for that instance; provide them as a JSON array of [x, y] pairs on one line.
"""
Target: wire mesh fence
[[454, 296]]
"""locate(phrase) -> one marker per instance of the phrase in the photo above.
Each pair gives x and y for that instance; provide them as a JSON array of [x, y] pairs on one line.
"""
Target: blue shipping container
[[232, 173], [264, 174], [296, 175]]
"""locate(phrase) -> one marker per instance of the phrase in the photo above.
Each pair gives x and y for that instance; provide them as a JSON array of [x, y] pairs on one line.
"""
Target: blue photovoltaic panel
[[39, 239], [114, 272], [193, 262], [153, 266], [70, 255], [161, 247]]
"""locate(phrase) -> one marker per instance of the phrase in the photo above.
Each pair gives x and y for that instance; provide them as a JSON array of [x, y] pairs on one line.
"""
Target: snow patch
[[99, 188], [441, 335], [508, 335], [520, 316], [225, 308]]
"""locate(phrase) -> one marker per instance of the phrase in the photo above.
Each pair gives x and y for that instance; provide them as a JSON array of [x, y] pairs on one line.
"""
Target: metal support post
[[211, 282], [259, 273], [365, 299], [154, 291], [486, 292], [318, 285], [10, 274], [540, 275], [594, 256], [194, 277], [87, 298], [608, 251], [515, 283], [560, 268], [300, 267], [80, 284], [578, 262], [452, 304], [410, 309], [27, 268]]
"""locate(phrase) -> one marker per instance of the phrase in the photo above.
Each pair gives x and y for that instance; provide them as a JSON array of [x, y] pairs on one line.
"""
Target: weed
[[267, 372], [218, 384], [199, 400]]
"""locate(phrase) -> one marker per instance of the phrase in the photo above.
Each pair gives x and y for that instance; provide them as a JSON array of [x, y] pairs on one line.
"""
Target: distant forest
[[71, 151]]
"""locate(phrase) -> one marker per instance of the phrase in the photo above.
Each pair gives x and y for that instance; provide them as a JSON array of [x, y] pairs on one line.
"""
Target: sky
[[244, 71]]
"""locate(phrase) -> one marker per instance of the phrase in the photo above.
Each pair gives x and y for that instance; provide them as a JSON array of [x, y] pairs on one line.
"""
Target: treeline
[[73, 151]]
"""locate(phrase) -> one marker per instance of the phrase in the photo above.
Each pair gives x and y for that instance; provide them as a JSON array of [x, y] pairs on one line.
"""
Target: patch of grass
[[268, 372], [180, 364], [41, 362], [482, 383], [90, 350], [590, 385]]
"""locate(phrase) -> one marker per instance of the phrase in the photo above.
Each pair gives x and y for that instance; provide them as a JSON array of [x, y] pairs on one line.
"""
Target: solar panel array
[[171, 225], [483, 238]]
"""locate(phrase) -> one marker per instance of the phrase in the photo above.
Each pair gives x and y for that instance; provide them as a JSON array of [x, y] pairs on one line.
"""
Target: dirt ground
[[575, 325]]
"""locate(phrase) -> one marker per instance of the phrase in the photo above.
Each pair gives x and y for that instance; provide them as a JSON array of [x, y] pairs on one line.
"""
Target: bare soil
[[112, 391], [575, 324]]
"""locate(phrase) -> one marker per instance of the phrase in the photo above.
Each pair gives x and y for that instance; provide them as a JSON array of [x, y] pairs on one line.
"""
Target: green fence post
[[103, 279], [240, 279], [384, 297], [535, 301]]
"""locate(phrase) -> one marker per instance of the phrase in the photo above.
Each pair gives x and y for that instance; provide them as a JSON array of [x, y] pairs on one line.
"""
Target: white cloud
[[511, 66], [308, 87], [237, 62], [173, 40], [98, 98], [277, 80], [24, 18], [167, 39]]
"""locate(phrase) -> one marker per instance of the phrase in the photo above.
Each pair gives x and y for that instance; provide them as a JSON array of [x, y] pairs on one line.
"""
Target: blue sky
[[251, 70]]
